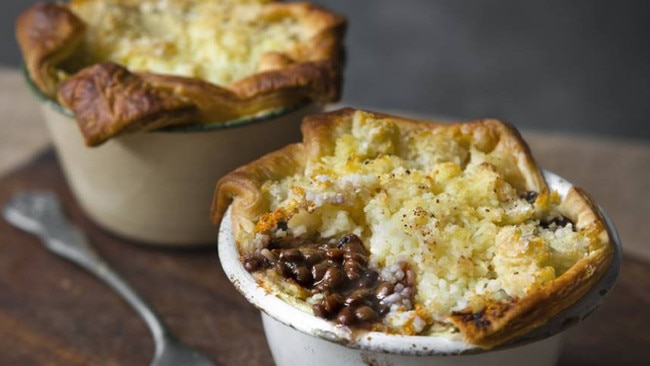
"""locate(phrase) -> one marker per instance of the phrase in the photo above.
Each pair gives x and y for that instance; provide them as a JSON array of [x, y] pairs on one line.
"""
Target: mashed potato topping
[[218, 41], [454, 211]]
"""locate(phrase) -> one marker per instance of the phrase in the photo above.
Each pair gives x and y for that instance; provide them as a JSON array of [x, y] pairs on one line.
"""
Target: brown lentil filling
[[352, 293], [552, 223], [556, 222]]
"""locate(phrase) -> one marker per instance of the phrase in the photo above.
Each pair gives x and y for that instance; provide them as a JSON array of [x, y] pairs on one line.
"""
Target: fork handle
[[67, 241], [40, 213]]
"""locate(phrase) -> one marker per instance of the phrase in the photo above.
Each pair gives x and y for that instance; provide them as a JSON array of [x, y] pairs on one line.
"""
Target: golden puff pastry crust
[[181, 61], [500, 322], [496, 252], [319, 137]]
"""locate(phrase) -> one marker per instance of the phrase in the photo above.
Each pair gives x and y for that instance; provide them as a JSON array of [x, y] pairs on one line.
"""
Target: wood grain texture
[[53, 313]]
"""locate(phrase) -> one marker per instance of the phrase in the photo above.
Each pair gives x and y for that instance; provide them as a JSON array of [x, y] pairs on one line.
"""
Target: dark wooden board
[[53, 313]]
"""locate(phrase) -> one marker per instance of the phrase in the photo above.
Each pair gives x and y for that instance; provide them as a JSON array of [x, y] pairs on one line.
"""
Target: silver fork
[[40, 213]]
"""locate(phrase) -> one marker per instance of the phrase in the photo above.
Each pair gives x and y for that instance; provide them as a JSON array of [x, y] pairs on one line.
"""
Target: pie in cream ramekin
[[171, 95], [409, 241]]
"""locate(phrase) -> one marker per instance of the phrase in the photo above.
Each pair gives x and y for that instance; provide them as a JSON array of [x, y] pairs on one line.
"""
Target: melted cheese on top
[[220, 41], [434, 200]]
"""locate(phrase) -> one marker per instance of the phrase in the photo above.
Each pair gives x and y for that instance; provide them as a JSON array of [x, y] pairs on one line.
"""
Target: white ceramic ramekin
[[156, 187], [298, 338]]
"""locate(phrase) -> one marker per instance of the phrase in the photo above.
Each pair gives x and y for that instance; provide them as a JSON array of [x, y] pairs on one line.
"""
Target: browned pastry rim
[[241, 190], [108, 100]]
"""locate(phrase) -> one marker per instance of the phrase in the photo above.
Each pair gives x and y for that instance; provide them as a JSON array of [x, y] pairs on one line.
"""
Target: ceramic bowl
[[299, 338], [156, 187]]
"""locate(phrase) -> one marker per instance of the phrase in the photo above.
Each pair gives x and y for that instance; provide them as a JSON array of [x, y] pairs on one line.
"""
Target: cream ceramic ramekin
[[299, 338], [156, 187]]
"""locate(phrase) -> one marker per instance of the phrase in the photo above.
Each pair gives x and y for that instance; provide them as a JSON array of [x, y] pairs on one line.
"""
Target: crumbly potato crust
[[496, 253], [155, 52]]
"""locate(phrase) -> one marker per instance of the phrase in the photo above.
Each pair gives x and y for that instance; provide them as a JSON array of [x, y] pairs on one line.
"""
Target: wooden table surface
[[52, 313]]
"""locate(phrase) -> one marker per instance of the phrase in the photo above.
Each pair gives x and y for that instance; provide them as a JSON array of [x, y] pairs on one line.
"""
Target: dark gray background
[[579, 66]]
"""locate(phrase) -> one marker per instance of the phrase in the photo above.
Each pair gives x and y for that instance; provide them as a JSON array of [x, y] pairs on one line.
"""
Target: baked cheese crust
[[179, 61], [495, 253]]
